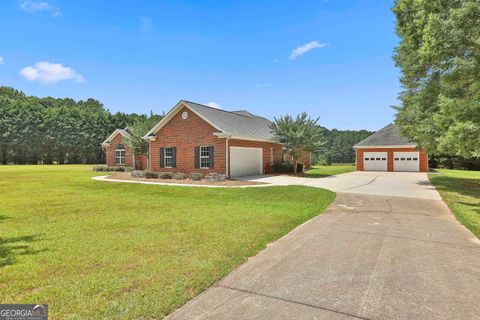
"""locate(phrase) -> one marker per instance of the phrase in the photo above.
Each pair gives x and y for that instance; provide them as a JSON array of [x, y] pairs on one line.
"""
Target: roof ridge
[[218, 109]]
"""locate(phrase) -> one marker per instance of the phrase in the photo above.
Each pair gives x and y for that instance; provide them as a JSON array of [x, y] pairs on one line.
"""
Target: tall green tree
[[439, 58], [298, 134]]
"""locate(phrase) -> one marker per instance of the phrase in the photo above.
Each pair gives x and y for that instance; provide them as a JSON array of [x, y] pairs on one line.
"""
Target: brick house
[[118, 153], [197, 138], [387, 150]]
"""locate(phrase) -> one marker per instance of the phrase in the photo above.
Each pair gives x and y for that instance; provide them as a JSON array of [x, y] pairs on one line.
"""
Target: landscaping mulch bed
[[228, 182]]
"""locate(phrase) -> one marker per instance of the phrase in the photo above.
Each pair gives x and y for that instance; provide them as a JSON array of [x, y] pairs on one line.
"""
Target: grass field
[[461, 191], [325, 171], [95, 250]]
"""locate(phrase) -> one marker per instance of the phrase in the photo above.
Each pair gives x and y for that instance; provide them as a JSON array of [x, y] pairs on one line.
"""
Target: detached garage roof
[[238, 124], [386, 137]]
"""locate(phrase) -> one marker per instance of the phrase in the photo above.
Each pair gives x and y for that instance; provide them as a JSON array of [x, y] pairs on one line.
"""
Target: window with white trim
[[120, 154], [168, 157], [205, 162]]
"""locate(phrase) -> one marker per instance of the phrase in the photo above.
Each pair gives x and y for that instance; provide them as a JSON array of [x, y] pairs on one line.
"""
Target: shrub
[[165, 175], [138, 173], [215, 177], [100, 168], [118, 169], [180, 176], [150, 174], [196, 176], [283, 167]]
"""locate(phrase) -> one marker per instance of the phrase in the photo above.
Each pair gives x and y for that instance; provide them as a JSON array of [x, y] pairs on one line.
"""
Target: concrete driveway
[[368, 256], [398, 184]]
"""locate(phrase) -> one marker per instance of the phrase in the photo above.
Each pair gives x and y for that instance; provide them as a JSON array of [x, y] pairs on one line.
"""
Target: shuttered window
[[168, 157], [204, 157]]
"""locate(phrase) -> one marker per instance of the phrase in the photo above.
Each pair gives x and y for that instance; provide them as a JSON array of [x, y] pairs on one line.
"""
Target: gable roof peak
[[389, 135]]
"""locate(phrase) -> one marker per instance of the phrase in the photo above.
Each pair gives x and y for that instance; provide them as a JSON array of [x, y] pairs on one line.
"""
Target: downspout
[[227, 160], [149, 156]]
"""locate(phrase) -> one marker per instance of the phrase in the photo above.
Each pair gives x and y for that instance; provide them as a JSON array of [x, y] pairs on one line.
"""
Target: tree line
[[49, 130], [338, 146], [439, 59]]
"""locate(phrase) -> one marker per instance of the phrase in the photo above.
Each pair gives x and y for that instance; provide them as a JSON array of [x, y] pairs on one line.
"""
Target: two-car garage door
[[402, 161]]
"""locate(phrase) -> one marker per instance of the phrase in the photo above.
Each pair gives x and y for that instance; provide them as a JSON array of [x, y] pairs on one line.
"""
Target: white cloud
[[305, 48], [34, 6], [213, 104], [2, 60], [50, 73]]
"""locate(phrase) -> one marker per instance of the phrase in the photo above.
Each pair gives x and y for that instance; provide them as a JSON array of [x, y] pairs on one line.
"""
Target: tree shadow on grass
[[12, 247], [462, 186]]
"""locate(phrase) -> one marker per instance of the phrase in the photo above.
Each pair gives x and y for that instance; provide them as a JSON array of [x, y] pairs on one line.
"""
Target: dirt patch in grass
[[228, 182]]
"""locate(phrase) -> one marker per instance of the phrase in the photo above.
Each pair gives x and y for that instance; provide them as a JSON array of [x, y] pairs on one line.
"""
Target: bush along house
[[119, 154], [198, 138]]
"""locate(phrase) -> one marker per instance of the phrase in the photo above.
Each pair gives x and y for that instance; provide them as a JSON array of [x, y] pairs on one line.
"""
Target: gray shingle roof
[[388, 136], [241, 123]]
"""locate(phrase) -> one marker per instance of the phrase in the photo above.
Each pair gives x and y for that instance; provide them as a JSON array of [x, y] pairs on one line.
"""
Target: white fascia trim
[[171, 114], [386, 147], [110, 138], [239, 137]]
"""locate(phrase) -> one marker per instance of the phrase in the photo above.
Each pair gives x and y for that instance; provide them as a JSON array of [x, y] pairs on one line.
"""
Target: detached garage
[[387, 150]]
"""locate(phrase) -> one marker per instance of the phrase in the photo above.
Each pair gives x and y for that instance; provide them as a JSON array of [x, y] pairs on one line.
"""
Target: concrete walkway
[[367, 257]]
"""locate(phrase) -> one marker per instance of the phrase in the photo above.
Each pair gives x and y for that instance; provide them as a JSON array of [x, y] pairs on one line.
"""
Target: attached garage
[[245, 161], [388, 150]]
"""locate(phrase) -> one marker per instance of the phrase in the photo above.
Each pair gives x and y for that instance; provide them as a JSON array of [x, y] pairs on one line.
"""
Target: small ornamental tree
[[137, 131], [298, 134]]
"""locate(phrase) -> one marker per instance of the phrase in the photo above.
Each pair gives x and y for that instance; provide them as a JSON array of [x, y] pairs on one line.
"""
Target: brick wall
[[185, 135], [110, 152], [390, 151]]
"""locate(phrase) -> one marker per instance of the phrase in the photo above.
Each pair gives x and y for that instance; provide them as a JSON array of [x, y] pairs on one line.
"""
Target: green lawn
[[94, 250], [461, 191], [325, 171]]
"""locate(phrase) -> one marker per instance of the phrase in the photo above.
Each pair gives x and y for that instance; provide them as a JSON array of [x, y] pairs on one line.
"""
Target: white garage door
[[245, 161], [375, 161], [406, 161]]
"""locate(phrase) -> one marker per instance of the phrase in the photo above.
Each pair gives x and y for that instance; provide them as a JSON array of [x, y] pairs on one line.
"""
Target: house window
[[205, 162], [120, 154], [271, 156], [168, 157]]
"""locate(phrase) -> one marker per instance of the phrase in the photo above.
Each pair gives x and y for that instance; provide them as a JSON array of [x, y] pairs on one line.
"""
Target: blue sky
[[330, 58]]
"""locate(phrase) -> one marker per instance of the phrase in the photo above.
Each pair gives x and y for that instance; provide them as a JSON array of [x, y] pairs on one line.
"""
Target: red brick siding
[[390, 151], [110, 152], [185, 135], [141, 162]]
